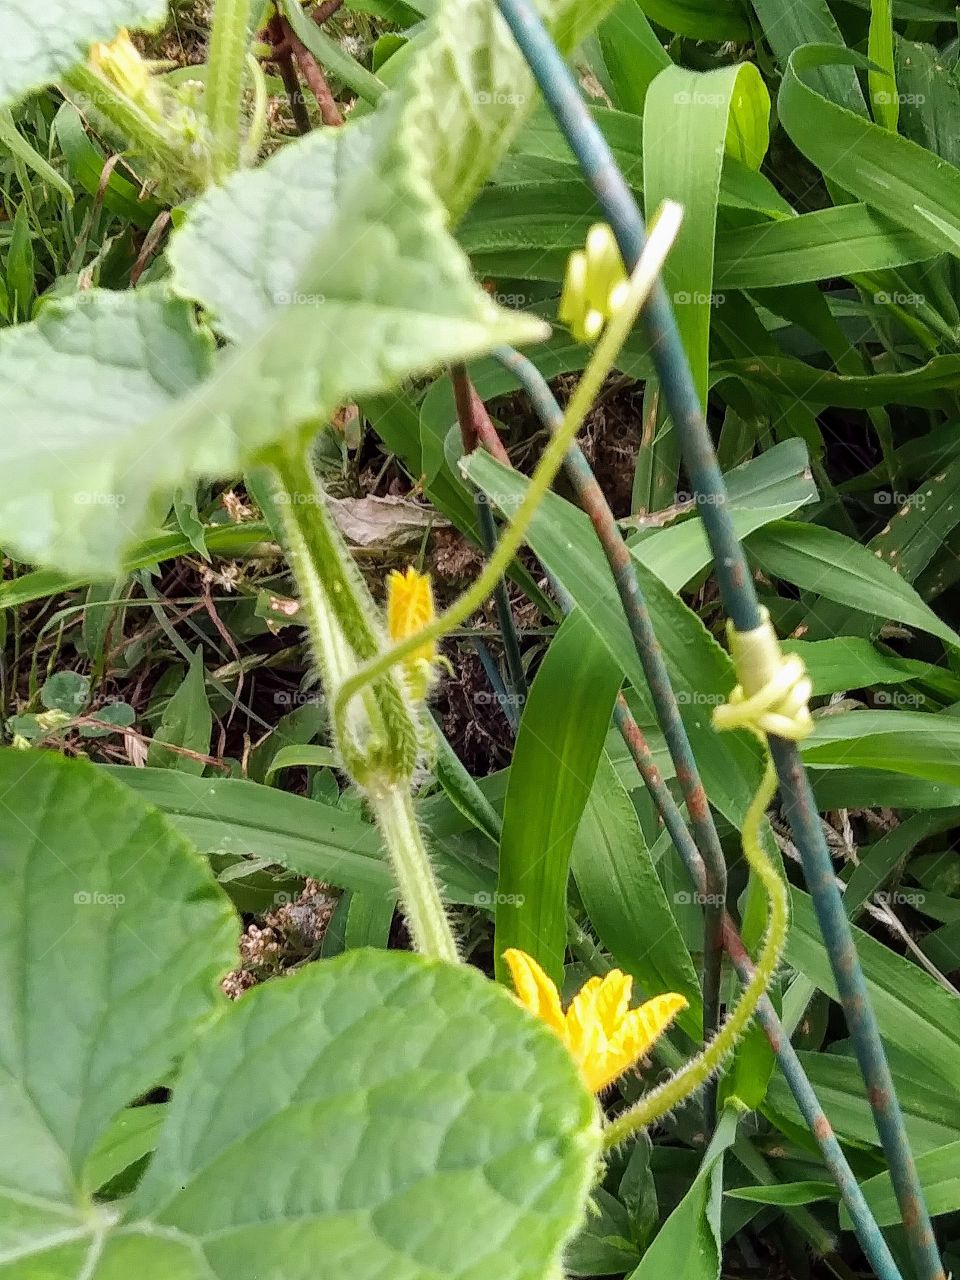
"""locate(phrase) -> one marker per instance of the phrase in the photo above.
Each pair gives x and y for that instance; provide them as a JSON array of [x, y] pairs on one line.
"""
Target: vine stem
[[732, 572], [419, 891], [339, 614], [591, 498], [229, 42], [662, 235], [698, 1070]]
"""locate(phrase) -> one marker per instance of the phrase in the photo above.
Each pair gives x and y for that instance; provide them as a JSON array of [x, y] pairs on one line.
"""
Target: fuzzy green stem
[[698, 1070], [419, 892], [643, 280], [144, 133], [381, 740], [229, 43]]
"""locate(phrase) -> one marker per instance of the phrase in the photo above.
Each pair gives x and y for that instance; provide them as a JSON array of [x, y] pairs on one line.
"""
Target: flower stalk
[[380, 737], [229, 44]]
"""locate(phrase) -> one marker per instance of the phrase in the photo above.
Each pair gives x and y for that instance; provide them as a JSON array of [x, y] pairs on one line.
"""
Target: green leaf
[[688, 1244], [233, 817], [929, 1112], [377, 1112], [939, 1173], [918, 528], [562, 732], [265, 256], [833, 565], [13, 141], [113, 936], [787, 1194], [883, 83], [850, 662], [701, 19], [633, 54], [748, 125], [89, 387], [621, 891], [902, 180], [914, 1012], [39, 41], [66, 691], [910, 742], [131, 1136], [789, 24], [398, 1115], [186, 723]]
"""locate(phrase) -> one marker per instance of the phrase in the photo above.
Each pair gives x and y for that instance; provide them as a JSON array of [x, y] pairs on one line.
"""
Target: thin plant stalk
[[229, 44], [740, 602], [468, 407], [591, 498]]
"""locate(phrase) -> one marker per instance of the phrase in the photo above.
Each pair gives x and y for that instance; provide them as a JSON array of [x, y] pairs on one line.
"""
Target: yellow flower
[[604, 1035], [595, 285], [120, 62], [409, 609]]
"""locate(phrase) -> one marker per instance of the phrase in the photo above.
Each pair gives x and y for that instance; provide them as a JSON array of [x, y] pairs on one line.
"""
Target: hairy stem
[[229, 43], [419, 891], [699, 1069]]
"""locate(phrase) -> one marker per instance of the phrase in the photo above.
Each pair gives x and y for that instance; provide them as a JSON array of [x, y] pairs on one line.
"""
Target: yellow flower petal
[[409, 609], [535, 990], [604, 1035], [639, 1030]]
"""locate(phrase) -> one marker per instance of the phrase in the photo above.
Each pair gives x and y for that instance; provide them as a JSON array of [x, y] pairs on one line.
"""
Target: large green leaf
[[331, 270], [39, 41], [398, 1117], [790, 24], [379, 1114], [562, 731], [113, 935]]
